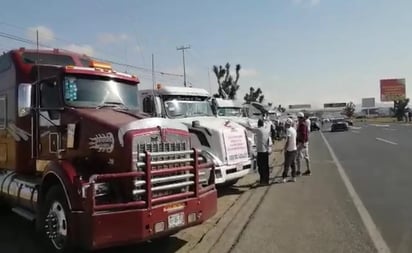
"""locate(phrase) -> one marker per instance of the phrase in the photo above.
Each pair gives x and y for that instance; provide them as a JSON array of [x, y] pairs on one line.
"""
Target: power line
[[30, 42]]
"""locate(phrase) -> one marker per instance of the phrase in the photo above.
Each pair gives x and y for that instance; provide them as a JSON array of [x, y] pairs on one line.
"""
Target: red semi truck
[[78, 159]]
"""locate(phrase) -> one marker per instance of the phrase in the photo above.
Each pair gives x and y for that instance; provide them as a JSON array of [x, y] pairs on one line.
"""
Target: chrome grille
[[164, 155]]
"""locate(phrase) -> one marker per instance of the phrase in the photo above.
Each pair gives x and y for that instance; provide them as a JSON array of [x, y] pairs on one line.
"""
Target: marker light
[[100, 65]]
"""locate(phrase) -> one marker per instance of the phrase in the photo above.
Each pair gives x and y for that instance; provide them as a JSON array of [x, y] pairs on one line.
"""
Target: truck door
[[49, 117]]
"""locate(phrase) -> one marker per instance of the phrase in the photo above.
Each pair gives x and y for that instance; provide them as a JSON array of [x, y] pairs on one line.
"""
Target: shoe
[[293, 179], [284, 180], [298, 173], [307, 173]]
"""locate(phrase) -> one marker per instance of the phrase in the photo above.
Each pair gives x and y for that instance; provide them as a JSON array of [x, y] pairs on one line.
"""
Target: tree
[[400, 107], [227, 83], [349, 109], [254, 96]]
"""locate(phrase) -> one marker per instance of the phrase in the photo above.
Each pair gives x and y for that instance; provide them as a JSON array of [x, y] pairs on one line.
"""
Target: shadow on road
[[231, 190], [17, 235]]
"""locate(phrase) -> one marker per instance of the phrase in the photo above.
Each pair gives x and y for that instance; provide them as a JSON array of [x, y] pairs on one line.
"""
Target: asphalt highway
[[377, 160], [359, 199]]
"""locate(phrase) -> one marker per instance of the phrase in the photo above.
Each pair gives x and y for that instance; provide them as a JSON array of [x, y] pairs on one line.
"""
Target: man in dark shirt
[[302, 141]]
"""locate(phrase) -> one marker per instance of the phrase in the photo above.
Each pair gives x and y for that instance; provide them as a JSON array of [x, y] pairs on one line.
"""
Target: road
[[315, 214], [319, 214], [377, 160]]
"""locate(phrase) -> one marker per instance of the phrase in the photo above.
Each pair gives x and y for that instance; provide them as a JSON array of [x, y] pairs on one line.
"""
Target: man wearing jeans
[[290, 151]]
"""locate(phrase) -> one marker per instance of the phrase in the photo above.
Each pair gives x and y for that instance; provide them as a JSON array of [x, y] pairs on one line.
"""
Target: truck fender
[[64, 174]]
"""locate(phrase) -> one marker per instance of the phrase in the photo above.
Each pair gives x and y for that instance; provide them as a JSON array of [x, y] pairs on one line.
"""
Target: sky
[[296, 51]]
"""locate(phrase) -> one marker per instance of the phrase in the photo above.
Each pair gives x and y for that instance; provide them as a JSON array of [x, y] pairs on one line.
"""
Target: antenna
[[38, 55], [153, 78]]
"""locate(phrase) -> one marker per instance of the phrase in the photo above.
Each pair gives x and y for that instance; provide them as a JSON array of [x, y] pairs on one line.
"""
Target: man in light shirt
[[307, 122], [263, 146], [290, 151]]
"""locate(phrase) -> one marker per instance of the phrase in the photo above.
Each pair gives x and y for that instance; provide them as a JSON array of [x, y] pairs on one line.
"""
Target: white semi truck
[[223, 141], [230, 110]]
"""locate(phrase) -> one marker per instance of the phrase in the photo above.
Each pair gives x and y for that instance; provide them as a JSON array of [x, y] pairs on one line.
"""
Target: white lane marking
[[372, 229], [379, 125], [356, 128], [386, 141], [355, 132], [389, 129]]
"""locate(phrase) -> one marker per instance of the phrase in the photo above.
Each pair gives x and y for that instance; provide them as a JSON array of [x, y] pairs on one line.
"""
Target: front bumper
[[109, 229], [227, 173]]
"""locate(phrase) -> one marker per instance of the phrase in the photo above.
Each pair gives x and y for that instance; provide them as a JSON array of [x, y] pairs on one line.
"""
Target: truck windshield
[[229, 112], [86, 91], [184, 109]]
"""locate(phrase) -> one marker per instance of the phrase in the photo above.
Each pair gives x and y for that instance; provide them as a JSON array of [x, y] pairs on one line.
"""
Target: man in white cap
[[290, 151], [302, 144]]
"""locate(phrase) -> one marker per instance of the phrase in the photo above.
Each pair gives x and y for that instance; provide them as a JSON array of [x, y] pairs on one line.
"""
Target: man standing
[[290, 151], [263, 146], [303, 144], [308, 123]]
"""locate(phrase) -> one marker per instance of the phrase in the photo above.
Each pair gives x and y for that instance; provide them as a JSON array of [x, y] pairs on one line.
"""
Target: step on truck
[[224, 142], [78, 158]]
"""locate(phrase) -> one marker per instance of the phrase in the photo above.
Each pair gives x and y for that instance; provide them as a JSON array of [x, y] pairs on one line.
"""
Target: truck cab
[[223, 141], [230, 110], [78, 158]]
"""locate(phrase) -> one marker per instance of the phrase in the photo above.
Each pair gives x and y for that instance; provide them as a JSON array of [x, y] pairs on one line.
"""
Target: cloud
[[81, 49], [314, 2], [306, 2], [111, 38], [137, 49], [46, 35], [248, 72]]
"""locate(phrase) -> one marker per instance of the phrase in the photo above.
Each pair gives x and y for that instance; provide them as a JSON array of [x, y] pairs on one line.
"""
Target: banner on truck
[[392, 89], [236, 146]]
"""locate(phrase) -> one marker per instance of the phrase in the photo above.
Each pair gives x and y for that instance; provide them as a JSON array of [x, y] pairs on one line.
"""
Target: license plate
[[176, 220], [239, 167]]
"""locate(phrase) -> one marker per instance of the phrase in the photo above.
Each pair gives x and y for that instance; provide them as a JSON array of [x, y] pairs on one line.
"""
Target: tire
[[54, 220]]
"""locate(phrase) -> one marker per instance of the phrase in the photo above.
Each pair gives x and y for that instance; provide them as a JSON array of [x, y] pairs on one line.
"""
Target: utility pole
[[183, 48]]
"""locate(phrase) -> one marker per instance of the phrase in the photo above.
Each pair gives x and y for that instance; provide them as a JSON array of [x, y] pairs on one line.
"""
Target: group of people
[[296, 148]]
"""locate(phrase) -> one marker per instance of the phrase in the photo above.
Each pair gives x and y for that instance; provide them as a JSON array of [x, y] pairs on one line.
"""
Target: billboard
[[368, 102], [392, 89], [334, 105], [301, 106]]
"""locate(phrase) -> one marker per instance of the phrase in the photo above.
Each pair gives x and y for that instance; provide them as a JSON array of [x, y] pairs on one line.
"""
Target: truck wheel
[[54, 221]]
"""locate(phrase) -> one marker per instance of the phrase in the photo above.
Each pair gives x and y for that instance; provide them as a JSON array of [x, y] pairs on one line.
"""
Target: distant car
[[339, 125]]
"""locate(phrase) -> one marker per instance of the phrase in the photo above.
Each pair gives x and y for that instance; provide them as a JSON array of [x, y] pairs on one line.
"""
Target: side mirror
[[158, 106], [24, 99]]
